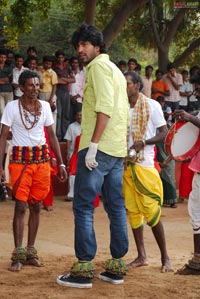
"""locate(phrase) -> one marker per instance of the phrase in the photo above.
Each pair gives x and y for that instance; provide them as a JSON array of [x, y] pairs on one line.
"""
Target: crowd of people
[[121, 120], [61, 83]]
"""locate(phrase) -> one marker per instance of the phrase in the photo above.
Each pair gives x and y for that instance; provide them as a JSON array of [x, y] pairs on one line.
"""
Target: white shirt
[[16, 74], [156, 120], [186, 87], [78, 86], [174, 93], [193, 98], [21, 136], [73, 131]]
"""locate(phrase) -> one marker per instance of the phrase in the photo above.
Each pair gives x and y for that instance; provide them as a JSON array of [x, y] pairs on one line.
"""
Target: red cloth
[[74, 157], [48, 201], [156, 164], [185, 184]]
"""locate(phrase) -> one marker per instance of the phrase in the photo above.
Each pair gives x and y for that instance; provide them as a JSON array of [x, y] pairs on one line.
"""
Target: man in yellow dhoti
[[142, 186]]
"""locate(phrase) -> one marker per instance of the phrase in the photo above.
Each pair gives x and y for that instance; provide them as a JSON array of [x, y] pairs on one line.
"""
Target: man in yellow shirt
[[105, 118], [49, 85]]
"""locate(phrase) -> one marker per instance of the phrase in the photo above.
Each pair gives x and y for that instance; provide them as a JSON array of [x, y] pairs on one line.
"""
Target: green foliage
[[54, 32], [48, 24], [22, 12]]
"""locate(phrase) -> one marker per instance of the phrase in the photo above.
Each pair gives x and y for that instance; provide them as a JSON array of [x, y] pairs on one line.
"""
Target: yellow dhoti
[[143, 193]]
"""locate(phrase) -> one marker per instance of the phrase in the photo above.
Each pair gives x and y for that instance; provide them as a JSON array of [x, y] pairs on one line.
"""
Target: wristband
[[62, 165]]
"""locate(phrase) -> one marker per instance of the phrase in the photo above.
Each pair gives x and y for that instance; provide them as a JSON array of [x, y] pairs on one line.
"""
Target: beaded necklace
[[25, 112]]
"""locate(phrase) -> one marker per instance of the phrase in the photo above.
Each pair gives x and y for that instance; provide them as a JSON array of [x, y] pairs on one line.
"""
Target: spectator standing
[[6, 90], [167, 164], [174, 81], [194, 102], [159, 87], [63, 99], [147, 81], [10, 61], [76, 88], [132, 64], [138, 69], [18, 69], [122, 66], [31, 51], [185, 91], [73, 131], [32, 63], [49, 84]]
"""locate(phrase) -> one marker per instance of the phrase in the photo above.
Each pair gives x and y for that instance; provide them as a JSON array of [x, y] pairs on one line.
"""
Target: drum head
[[183, 141]]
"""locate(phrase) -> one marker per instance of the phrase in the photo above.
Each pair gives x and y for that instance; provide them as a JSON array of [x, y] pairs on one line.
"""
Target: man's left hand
[[62, 173]]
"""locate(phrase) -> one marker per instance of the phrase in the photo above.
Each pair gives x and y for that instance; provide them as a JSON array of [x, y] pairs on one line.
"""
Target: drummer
[[193, 265]]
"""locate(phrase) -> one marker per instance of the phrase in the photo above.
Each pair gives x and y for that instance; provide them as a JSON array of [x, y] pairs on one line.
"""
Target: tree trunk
[[90, 8], [120, 18], [163, 58]]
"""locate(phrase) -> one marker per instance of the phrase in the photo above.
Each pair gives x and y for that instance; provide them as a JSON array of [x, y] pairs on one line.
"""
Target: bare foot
[[138, 262], [15, 266], [34, 262], [48, 208], [167, 267]]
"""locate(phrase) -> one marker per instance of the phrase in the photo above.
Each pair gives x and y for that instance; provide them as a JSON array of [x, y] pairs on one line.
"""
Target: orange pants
[[30, 181]]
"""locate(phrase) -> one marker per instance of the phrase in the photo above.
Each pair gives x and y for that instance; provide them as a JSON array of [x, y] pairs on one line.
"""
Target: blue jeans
[[106, 179]]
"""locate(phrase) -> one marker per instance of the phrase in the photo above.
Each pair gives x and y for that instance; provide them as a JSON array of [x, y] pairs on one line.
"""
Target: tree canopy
[[128, 26]]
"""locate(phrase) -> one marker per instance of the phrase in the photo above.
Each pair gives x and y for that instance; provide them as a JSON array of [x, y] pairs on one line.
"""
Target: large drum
[[182, 141]]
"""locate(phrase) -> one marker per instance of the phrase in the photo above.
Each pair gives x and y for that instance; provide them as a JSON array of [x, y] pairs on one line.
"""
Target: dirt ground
[[55, 246]]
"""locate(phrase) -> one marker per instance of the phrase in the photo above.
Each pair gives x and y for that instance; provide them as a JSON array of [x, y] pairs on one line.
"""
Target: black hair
[[160, 99], [27, 75], [73, 58], [31, 57], [18, 56], [59, 52], [122, 62], [48, 58], [194, 69], [195, 79], [132, 60], [31, 48], [91, 34], [138, 67], [159, 71], [149, 67], [170, 66], [185, 72]]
